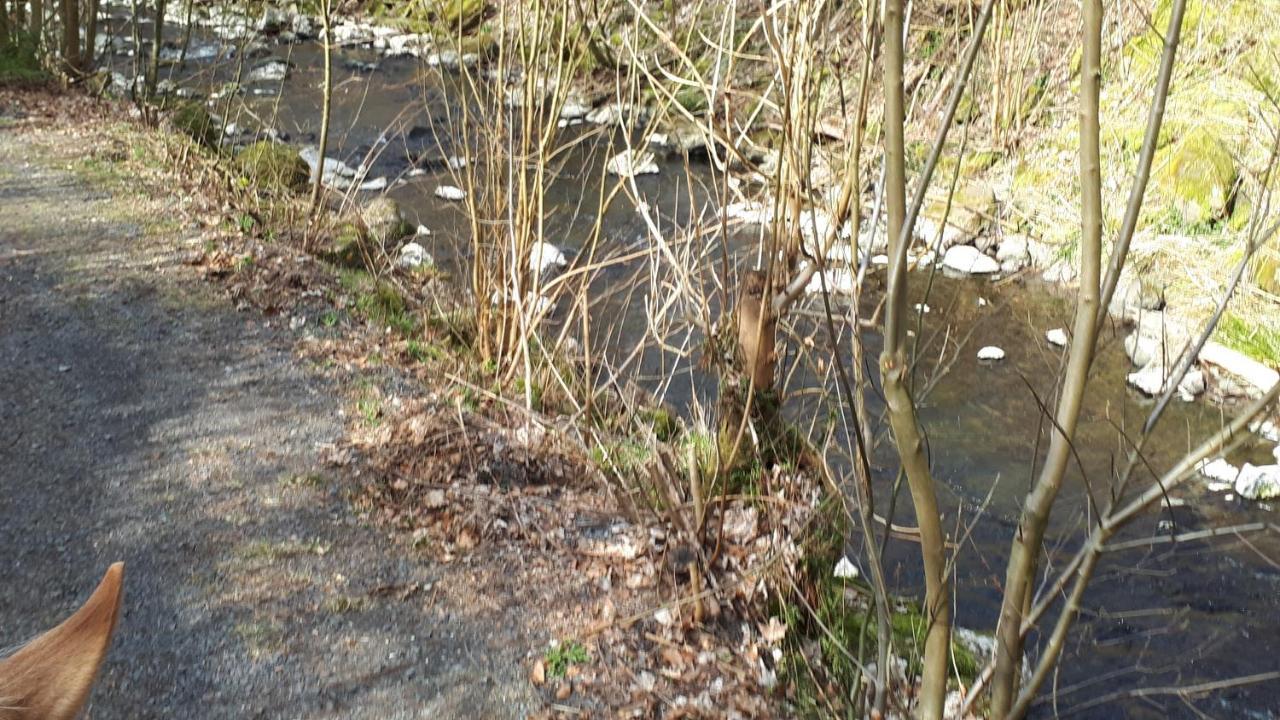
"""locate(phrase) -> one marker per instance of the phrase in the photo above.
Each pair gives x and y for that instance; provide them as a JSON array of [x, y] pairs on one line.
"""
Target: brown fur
[[756, 329], [50, 677]]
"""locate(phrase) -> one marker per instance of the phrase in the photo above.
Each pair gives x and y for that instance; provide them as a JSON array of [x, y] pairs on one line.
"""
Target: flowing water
[[1158, 616]]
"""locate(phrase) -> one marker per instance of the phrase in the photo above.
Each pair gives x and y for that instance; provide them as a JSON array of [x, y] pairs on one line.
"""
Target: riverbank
[[498, 514]]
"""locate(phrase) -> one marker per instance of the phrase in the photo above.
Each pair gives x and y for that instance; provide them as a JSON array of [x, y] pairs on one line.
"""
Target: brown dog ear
[[50, 677]]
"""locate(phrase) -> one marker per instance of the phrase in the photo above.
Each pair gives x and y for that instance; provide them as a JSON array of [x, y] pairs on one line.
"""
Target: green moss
[[273, 166], [193, 120], [1197, 177]]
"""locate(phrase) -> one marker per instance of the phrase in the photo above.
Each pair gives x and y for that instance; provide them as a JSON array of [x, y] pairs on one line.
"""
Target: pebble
[[1057, 336]]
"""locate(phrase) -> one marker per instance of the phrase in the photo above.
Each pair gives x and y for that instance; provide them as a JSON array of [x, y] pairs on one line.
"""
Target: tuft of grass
[[343, 604], [422, 352], [370, 409], [273, 551], [303, 480], [559, 658], [261, 637]]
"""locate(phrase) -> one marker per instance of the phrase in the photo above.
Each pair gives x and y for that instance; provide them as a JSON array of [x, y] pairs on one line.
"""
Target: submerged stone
[[630, 163]]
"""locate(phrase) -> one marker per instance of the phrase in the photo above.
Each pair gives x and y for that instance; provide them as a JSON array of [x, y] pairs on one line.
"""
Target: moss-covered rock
[[464, 14], [972, 208], [273, 166], [193, 120], [1264, 270], [384, 222], [1197, 177]]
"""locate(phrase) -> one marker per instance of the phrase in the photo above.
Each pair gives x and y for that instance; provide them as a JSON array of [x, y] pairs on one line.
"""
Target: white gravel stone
[[450, 192], [991, 352]]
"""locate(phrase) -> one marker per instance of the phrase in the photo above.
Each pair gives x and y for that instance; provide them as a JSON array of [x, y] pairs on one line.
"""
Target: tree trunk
[[1029, 537], [89, 59], [157, 39], [895, 371], [71, 36], [326, 102], [37, 21], [4, 25]]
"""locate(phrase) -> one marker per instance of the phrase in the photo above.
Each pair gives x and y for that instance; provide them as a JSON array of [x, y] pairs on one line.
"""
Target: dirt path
[[143, 418]]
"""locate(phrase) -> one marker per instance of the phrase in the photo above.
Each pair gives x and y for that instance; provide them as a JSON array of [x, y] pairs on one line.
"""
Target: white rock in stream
[[1258, 482], [1221, 471], [272, 70], [422, 231], [1057, 336], [450, 192], [1258, 376], [413, 256], [839, 281], [1151, 381], [611, 114], [546, 257], [630, 163], [991, 352], [845, 569], [970, 260]]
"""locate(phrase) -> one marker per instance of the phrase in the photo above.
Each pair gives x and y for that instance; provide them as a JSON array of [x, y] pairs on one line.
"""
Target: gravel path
[[142, 418]]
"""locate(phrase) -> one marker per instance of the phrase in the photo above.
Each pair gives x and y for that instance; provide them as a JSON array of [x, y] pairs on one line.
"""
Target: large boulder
[[466, 14], [384, 221], [273, 165], [1197, 177], [972, 208], [969, 260]]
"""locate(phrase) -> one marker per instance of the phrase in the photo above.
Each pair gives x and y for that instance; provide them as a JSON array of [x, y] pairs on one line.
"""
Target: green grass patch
[[559, 658], [1259, 340], [378, 302]]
